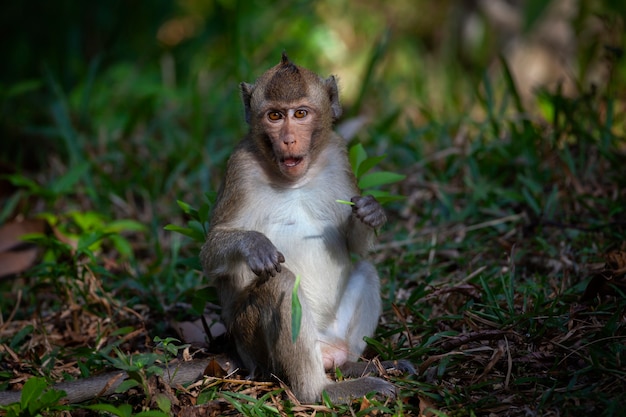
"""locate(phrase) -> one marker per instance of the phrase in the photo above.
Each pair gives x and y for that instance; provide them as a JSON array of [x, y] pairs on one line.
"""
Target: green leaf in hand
[[296, 311]]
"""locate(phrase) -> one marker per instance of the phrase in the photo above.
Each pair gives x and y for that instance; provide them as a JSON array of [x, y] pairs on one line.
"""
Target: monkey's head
[[290, 111]]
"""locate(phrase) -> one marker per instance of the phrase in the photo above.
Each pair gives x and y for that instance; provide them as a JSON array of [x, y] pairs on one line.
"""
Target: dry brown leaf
[[365, 404], [11, 233], [15, 255], [214, 369], [427, 407], [14, 262]]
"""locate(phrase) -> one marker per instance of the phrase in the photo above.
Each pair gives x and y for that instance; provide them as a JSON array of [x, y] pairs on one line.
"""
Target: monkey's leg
[[356, 317], [262, 330]]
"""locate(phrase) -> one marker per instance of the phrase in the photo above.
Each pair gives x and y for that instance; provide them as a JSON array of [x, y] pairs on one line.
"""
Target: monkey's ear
[[246, 96], [333, 94]]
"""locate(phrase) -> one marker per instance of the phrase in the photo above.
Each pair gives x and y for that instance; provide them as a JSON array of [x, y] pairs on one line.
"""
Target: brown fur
[[276, 217]]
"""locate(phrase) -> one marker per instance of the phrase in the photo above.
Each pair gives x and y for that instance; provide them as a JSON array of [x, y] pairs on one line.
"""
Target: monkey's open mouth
[[291, 162]]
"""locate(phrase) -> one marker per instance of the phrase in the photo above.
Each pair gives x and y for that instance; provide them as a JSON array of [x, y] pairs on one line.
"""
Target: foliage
[[367, 181], [35, 400], [503, 263]]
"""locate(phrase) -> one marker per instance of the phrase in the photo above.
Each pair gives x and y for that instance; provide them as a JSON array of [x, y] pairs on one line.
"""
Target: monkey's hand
[[368, 210], [261, 254]]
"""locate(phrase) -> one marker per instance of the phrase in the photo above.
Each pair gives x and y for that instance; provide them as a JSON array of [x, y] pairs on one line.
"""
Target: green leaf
[[33, 388], [376, 179], [368, 164], [67, 183], [145, 359], [186, 231], [198, 228], [152, 413], [126, 385], [88, 220], [357, 155], [187, 209], [533, 9], [20, 336], [22, 87], [124, 410], [122, 245], [204, 212], [203, 295], [163, 403], [124, 225], [384, 197], [87, 240], [51, 397], [21, 181], [155, 370], [296, 311]]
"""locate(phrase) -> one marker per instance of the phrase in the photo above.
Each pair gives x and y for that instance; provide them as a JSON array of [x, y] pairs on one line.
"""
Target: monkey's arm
[[224, 247], [367, 216], [102, 385]]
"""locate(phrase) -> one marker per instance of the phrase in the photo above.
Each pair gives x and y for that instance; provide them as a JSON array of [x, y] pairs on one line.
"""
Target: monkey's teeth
[[292, 162]]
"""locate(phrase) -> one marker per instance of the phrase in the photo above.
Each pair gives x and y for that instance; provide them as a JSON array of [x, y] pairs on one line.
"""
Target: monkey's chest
[[316, 250], [305, 240]]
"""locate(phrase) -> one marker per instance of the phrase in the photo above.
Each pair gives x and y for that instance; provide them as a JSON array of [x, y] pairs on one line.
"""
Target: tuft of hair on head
[[287, 82], [286, 66]]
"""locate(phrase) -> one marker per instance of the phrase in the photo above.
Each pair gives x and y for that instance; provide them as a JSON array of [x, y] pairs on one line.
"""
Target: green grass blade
[[296, 311]]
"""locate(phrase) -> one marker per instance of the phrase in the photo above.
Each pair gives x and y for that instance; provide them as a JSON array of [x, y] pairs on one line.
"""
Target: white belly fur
[[305, 230]]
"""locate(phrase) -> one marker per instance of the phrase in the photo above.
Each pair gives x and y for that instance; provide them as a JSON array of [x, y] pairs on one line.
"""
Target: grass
[[503, 266]]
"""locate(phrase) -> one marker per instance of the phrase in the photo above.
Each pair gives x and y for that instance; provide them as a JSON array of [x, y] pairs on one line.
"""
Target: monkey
[[277, 217]]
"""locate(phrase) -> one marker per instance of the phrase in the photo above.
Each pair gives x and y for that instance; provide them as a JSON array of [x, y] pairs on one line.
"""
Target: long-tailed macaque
[[277, 217]]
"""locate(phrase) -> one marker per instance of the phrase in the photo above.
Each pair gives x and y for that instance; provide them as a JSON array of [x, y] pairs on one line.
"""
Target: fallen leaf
[[427, 407], [215, 369], [16, 255], [365, 404], [18, 261], [11, 233]]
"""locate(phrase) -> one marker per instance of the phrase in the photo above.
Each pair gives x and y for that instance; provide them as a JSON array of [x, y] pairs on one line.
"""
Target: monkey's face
[[290, 111], [290, 130]]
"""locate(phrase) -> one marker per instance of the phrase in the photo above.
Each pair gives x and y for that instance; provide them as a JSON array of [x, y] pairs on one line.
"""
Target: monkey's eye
[[300, 113], [274, 115]]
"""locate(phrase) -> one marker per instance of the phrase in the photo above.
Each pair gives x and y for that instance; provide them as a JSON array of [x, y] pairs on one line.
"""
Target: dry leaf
[[426, 407], [16, 255], [11, 233], [215, 369], [365, 404]]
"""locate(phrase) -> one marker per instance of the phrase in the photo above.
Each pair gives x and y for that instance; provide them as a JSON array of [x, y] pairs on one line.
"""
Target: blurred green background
[[153, 74]]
